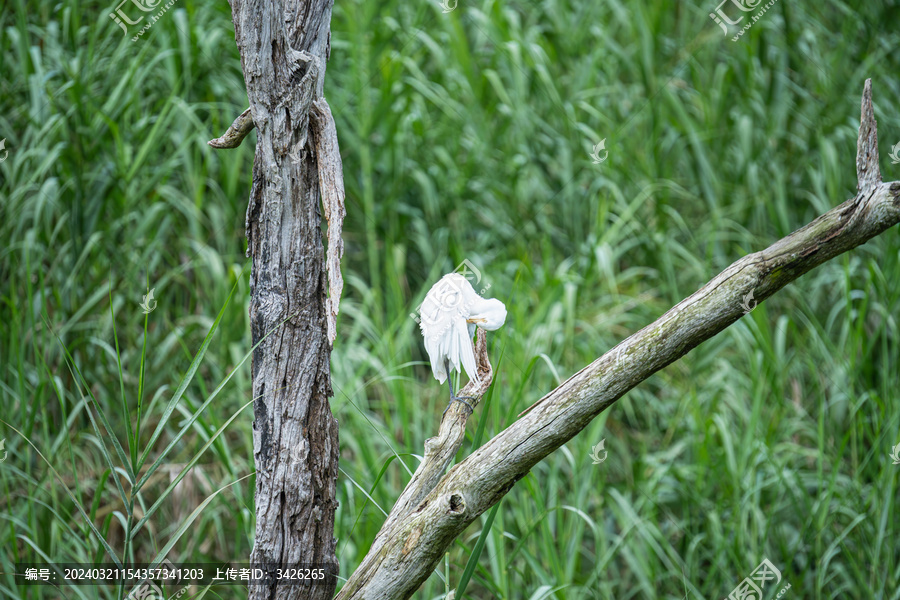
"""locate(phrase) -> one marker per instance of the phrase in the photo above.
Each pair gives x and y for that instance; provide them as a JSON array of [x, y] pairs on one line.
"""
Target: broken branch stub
[[236, 132], [868, 172]]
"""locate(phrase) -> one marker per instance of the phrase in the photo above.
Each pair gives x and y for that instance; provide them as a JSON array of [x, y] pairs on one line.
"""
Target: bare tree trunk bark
[[284, 46]]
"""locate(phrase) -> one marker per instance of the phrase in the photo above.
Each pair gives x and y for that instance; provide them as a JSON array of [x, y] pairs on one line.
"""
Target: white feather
[[449, 314]]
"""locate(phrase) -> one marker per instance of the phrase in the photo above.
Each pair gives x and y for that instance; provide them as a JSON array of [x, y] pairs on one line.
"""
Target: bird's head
[[491, 315]]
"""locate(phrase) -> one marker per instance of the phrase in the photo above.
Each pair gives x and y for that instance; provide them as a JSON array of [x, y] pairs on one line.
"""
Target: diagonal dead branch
[[408, 549], [236, 132]]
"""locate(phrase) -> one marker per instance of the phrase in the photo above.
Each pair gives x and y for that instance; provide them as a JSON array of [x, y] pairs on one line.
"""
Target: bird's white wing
[[433, 320], [465, 350], [437, 363], [443, 322], [436, 323]]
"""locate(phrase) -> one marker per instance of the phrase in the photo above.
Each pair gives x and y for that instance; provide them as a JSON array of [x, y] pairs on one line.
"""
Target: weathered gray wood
[[441, 449], [408, 549], [868, 172], [331, 182], [284, 46]]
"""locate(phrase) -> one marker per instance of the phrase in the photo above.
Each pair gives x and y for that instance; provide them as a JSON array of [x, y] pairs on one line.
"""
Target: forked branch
[[440, 450], [409, 546]]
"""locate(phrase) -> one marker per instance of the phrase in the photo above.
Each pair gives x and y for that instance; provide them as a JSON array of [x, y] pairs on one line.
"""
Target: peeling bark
[[331, 182]]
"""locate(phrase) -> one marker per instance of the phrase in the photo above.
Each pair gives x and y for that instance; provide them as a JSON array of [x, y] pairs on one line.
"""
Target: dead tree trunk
[[284, 46]]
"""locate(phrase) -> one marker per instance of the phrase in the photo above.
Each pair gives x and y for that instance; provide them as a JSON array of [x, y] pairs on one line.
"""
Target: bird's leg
[[453, 395]]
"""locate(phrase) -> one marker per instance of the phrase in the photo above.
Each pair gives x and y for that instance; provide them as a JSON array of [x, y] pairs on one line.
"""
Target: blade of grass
[[70, 360], [188, 377], [476, 552], [140, 394], [84, 514], [366, 501], [132, 444], [190, 519], [70, 364], [185, 470], [482, 422], [190, 422], [363, 490]]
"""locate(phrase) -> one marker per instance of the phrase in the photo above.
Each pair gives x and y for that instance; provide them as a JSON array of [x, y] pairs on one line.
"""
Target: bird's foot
[[454, 398]]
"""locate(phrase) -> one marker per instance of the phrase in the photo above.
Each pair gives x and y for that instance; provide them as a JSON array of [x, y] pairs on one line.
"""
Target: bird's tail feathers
[[465, 350]]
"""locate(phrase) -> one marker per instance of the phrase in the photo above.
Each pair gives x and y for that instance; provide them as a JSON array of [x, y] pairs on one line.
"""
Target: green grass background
[[464, 135]]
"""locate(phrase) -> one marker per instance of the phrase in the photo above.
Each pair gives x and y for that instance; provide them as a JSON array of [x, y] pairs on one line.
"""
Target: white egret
[[449, 314]]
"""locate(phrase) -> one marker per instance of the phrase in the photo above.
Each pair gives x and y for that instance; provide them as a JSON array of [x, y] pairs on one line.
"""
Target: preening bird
[[449, 314]]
